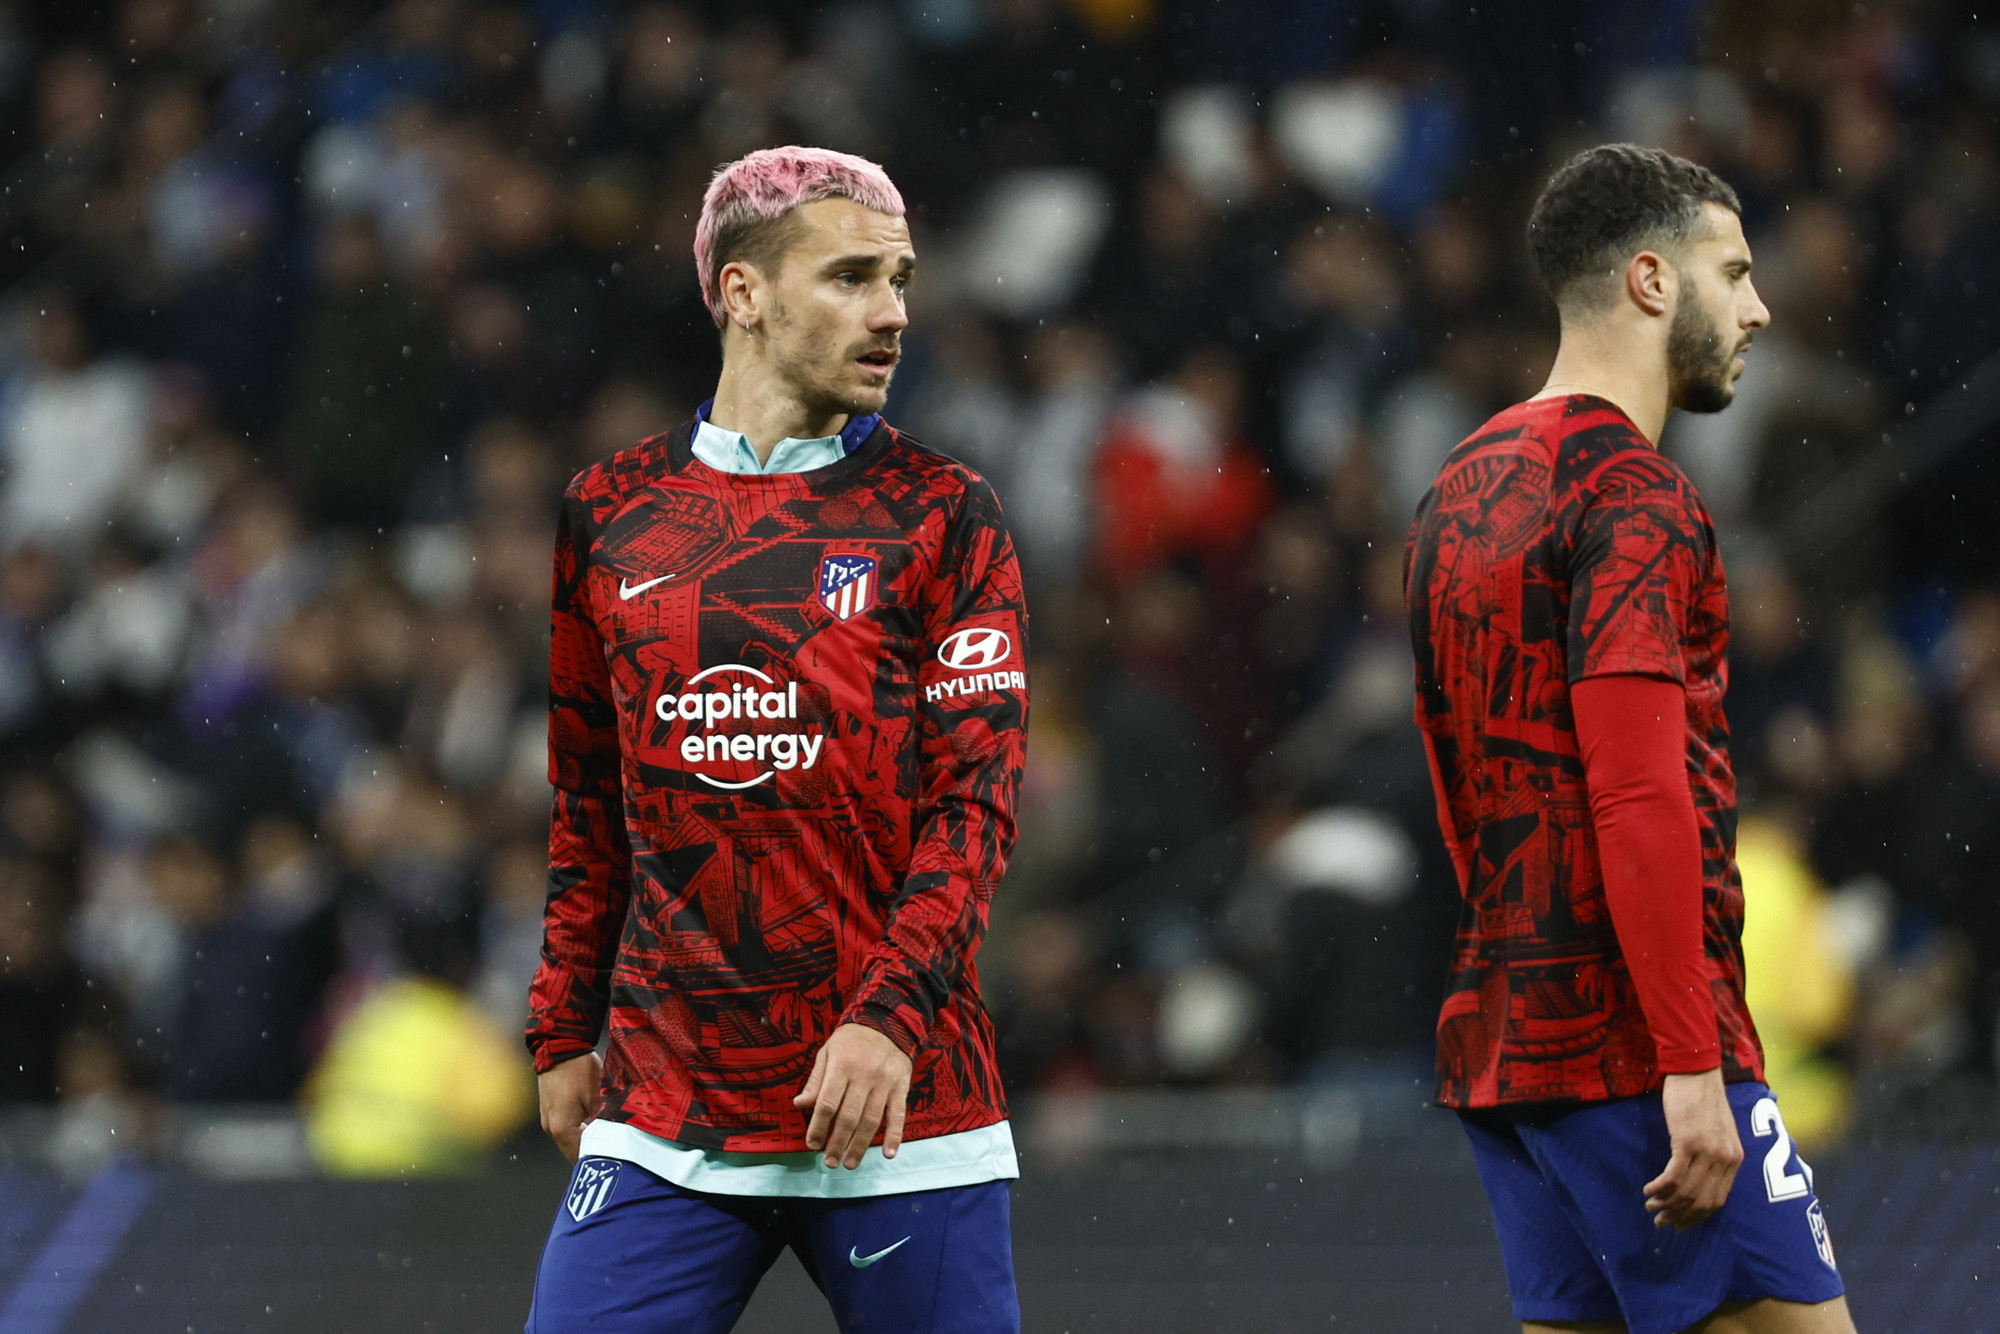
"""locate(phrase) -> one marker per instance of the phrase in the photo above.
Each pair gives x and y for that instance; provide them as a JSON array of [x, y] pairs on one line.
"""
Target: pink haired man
[[788, 717]]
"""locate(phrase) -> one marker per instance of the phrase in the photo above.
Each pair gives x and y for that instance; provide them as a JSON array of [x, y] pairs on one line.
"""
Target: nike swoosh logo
[[859, 1261], [626, 594]]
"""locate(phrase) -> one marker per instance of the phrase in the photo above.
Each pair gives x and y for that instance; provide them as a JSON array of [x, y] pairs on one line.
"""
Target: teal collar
[[729, 451]]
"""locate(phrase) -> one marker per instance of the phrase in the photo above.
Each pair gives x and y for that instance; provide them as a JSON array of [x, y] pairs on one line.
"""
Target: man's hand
[[570, 1094], [1706, 1152], [858, 1077]]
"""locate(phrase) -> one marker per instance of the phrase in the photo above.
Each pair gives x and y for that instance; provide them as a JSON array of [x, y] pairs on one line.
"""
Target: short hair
[[1608, 203], [745, 214]]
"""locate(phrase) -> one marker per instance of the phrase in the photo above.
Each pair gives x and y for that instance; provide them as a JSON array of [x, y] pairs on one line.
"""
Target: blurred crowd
[[311, 310]]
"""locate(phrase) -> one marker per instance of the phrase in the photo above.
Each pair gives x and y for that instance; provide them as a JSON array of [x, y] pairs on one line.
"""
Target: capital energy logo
[[710, 742], [976, 651]]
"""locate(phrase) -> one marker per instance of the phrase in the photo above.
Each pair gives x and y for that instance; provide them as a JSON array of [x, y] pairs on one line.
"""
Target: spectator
[[1342, 301], [364, 399], [1175, 476], [416, 1080], [30, 586], [1046, 484], [1867, 825], [1776, 666], [1800, 977], [77, 119], [257, 956], [42, 995], [1955, 849], [74, 431], [1165, 285], [514, 886]]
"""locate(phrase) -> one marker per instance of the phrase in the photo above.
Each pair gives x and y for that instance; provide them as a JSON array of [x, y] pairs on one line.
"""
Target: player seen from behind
[[788, 717], [1570, 623]]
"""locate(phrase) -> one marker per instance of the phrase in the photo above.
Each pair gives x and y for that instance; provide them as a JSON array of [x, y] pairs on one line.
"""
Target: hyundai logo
[[975, 650]]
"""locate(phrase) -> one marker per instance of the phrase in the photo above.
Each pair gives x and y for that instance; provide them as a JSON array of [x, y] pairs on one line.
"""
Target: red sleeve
[[972, 728], [590, 858], [1633, 731]]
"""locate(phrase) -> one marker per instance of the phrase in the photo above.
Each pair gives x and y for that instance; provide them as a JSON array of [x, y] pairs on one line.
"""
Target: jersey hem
[[1740, 1075]]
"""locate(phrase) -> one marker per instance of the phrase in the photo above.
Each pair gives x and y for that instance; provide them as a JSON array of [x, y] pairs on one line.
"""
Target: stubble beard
[[1698, 366], [817, 386]]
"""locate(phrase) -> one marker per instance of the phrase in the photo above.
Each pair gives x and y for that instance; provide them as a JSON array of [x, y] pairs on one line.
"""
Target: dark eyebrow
[[868, 262]]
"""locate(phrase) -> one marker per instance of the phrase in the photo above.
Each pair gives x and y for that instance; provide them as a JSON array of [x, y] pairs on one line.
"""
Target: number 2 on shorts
[[1780, 1182]]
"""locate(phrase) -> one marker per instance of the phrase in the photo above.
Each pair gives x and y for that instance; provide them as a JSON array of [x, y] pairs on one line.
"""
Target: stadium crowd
[[311, 311]]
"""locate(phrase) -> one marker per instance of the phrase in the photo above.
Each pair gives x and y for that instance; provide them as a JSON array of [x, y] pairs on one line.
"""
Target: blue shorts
[[1567, 1186], [633, 1254]]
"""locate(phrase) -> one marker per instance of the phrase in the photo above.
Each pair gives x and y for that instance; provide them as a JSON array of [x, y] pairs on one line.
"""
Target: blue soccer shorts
[[631, 1253], [1567, 1186]]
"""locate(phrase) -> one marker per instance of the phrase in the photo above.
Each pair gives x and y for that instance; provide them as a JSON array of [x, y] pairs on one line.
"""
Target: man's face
[[1716, 313], [836, 315]]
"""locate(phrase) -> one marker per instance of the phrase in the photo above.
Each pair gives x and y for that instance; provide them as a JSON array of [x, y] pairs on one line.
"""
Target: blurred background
[[309, 310]]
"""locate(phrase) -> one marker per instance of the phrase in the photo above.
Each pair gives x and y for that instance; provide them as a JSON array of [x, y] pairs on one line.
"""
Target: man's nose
[[887, 313], [1758, 315]]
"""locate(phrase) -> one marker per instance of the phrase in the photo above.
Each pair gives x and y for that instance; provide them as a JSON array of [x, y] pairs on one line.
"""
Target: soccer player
[[788, 707], [1567, 608]]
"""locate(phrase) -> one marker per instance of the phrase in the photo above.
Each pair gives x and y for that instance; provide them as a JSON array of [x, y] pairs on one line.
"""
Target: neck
[[753, 400], [1622, 365]]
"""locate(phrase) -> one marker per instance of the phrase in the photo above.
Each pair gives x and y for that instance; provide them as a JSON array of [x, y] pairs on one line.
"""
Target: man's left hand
[[858, 1079]]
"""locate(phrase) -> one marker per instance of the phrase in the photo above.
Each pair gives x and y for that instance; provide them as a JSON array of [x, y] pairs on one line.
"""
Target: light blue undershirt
[[966, 1158], [729, 451]]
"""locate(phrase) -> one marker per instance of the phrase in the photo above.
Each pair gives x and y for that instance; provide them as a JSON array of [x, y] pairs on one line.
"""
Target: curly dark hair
[[1608, 203]]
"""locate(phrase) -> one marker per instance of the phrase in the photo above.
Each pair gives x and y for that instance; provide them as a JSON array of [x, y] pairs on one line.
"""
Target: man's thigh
[[928, 1262], [1771, 1316], [632, 1254]]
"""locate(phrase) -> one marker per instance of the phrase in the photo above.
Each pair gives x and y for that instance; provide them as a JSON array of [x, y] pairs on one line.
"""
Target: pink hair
[[769, 183]]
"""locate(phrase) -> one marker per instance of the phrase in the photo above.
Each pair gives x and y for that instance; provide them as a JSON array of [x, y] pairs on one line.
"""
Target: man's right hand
[[570, 1094], [1706, 1151]]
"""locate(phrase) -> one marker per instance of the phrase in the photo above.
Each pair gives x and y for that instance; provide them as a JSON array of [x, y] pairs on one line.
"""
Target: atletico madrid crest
[[847, 585], [591, 1186]]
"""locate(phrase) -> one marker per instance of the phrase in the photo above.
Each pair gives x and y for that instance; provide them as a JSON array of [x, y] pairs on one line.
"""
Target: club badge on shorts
[[847, 585], [592, 1187], [1822, 1239]]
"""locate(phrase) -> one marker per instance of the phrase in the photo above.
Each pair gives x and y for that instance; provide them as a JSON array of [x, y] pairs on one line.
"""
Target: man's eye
[[900, 284]]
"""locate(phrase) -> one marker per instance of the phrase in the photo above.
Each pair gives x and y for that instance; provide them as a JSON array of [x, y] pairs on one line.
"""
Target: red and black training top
[[1555, 546], [788, 716]]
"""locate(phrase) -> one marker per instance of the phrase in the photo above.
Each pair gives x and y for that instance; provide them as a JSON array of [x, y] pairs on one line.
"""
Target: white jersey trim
[[967, 1158]]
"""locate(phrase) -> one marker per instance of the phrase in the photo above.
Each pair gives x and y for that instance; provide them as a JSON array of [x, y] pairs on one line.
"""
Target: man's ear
[[741, 288], [1650, 282]]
